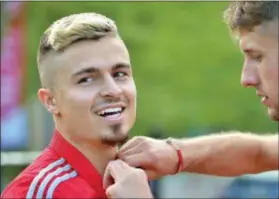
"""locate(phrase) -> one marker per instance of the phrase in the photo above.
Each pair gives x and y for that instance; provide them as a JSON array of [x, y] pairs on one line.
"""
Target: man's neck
[[99, 155]]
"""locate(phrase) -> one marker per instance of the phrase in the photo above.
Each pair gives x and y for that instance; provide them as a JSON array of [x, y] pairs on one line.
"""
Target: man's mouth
[[265, 100], [116, 111]]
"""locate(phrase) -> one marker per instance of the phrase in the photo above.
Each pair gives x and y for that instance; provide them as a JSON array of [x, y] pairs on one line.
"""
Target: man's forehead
[[258, 36], [246, 41], [250, 40], [90, 53]]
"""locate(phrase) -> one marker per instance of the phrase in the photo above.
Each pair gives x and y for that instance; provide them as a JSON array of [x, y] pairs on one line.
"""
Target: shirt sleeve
[[75, 188]]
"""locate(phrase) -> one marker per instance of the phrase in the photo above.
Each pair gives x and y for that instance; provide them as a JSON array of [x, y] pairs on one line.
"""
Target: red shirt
[[61, 171]]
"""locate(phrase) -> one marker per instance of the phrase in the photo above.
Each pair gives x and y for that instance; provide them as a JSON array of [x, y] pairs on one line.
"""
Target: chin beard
[[117, 138], [114, 141], [274, 114], [275, 117]]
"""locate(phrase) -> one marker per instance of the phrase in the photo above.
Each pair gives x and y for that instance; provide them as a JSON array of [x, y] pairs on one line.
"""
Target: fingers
[[131, 144], [115, 170], [111, 173], [134, 150], [110, 191], [108, 180], [139, 160], [145, 162], [131, 183]]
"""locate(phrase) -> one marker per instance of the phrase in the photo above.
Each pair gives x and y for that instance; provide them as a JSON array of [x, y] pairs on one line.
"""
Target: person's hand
[[155, 157], [123, 181]]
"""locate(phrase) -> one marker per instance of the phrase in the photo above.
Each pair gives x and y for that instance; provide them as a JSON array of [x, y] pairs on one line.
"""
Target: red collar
[[78, 161]]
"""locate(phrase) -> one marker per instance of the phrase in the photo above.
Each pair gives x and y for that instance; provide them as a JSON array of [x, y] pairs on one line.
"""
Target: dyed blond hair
[[70, 29]]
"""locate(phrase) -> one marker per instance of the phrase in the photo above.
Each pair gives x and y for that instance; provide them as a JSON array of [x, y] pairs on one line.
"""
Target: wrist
[[179, 156]]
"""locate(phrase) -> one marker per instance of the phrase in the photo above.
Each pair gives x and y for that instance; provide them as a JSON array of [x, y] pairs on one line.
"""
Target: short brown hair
[[70, 29], [248, 14]]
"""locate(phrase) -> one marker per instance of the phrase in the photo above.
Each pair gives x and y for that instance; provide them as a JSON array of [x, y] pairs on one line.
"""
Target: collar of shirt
[[78, 161]]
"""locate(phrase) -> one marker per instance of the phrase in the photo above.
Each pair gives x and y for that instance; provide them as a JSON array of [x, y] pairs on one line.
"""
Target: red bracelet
[[180, 165]]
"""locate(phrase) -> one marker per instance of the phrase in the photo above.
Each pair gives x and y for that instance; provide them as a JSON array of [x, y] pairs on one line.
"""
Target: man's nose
[[111, 89], [249, 76]]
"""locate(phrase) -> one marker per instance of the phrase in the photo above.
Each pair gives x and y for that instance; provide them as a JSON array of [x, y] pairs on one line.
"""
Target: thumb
[[110, 192], [108, 178]]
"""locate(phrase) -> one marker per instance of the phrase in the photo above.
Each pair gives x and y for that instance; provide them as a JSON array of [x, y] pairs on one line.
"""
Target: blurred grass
[[186, 66]]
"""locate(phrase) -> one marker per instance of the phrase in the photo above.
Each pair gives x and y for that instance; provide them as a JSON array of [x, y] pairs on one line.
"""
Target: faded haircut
[[71, 29], [245, 15]]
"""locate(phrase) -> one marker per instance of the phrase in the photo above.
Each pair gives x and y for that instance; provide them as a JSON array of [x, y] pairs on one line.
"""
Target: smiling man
[[88, 87]]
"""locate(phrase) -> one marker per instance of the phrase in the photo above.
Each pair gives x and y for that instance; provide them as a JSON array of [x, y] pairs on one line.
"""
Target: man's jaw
[[273, 114], [112, 116]]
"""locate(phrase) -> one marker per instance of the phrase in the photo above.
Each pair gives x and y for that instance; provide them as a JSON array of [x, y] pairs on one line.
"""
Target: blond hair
[[70, 29]]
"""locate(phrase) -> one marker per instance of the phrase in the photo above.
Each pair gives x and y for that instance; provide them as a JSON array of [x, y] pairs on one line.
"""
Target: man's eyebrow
[[247, 51], [250, 51], [121, 65], [89, 69]]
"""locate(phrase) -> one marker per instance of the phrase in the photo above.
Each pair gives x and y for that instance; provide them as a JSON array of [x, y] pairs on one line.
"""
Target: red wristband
[[179, 155]]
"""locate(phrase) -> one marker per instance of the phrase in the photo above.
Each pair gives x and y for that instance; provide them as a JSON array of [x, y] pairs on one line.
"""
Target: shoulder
[[17, 188], [49, 176], [57, 179], [26, 184], [29, 177], [74, 187], [61, 182]]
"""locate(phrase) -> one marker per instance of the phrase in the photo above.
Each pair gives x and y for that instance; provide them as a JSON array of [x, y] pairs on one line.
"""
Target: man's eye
[[85, 80], [120, 74], [258, 58]]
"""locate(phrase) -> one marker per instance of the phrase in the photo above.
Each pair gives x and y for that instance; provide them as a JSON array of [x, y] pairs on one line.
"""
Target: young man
[[231, 154], [88, 87]]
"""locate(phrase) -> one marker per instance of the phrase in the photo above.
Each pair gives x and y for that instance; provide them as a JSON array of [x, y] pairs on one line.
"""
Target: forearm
[[269, 155], [229, 154]]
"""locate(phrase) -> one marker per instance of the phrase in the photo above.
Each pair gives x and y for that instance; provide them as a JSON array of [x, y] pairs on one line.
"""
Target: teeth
[[109, 110]]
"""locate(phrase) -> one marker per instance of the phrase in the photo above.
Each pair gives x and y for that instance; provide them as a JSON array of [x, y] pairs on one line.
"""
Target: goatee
[[118, 137]]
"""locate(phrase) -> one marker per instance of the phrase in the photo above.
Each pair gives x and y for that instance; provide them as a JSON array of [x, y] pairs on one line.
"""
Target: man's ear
[[47, 99]]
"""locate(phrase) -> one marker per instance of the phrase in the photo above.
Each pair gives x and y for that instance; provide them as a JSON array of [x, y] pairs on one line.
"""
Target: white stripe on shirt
[[49, 177], [40, 175], [57, 181]]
